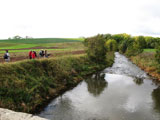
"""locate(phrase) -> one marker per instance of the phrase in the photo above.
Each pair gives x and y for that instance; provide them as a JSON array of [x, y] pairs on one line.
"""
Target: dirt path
[[19, 58]]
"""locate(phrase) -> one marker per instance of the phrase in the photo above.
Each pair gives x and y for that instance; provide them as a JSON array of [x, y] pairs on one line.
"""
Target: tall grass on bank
[[26, 86], [148, 63]]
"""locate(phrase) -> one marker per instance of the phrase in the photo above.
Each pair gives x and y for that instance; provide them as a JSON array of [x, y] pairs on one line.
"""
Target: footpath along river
[[122, 92]]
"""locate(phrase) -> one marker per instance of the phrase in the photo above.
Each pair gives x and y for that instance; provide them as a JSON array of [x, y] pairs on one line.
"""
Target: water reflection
[[63, 107], [130, 95], [96, 84], [156, 99], [138, 81]]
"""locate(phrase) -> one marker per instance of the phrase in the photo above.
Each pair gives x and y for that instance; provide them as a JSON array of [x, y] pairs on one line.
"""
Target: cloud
[[147, 31], [74, 18]]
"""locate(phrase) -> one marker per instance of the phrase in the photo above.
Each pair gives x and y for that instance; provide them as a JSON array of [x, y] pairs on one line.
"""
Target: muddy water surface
[[122, 92]]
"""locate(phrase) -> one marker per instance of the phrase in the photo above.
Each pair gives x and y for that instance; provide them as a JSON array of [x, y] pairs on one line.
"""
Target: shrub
[[157, 55], [111, 45], [96, 49], [133, 49]]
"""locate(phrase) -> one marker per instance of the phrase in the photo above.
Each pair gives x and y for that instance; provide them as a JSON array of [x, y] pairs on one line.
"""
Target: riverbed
[[121, 92]]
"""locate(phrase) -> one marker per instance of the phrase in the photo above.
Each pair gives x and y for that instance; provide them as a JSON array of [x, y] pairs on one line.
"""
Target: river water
[[122, 92]]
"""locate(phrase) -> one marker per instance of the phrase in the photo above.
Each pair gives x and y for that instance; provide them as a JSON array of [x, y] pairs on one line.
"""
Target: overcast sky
[[76, 18]]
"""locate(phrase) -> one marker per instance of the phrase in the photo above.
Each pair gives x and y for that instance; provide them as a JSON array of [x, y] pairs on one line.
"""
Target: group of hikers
[[32, 55], [42, 53]]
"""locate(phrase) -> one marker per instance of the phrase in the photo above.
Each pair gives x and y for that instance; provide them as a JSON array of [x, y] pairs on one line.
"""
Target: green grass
[[4, 44], [42, 40], [16, 46], [61, 43], [149, 50], [37, 50], [79, 39], [61, 47]]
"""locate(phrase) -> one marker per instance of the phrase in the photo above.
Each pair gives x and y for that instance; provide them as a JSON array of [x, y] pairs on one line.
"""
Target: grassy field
[[40, 42], [21, 47], [149, 50]]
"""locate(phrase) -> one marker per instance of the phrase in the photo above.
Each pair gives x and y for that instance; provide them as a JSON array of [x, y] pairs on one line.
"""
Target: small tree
[[96, 49], [17, 37], [123, 46], [140, 40], [134, 49], [111, 45]]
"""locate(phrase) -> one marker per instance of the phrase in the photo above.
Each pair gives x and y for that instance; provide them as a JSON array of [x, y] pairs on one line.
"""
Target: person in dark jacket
[[7, 56], [41, 53], [45, 54]]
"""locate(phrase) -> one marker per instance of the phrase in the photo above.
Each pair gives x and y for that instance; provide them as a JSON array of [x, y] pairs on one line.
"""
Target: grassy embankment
[[147, 62], [28, 85]]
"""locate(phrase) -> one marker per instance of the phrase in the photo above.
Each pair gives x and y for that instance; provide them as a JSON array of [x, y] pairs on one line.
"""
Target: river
[[121, 92]]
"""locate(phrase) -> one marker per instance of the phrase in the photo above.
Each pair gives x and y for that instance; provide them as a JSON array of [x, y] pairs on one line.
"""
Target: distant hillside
[[42, 40]]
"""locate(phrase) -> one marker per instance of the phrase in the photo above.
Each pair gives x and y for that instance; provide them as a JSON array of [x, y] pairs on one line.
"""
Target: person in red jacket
[[33, 55], [30, 54]]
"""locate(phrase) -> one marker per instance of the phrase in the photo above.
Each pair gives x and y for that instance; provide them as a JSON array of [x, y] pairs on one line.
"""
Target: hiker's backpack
[[5, 56]]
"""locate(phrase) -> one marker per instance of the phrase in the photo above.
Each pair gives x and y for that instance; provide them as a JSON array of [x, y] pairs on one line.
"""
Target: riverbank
[[146, 61], [28, 85], [114, 94]]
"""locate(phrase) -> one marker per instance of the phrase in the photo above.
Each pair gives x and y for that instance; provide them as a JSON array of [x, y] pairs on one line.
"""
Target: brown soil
[[20, 58]]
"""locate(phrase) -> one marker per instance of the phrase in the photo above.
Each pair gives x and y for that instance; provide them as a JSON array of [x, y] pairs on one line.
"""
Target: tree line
[[17, 37], [98, 46]]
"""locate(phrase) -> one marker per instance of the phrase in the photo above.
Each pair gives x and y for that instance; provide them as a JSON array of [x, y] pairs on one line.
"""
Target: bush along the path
[[26, 86]]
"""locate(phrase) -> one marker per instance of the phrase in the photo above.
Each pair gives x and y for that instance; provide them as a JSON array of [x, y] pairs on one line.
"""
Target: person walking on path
[[41, 53], [33, 55], [30, 54], [45, 54], [7, 56]]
